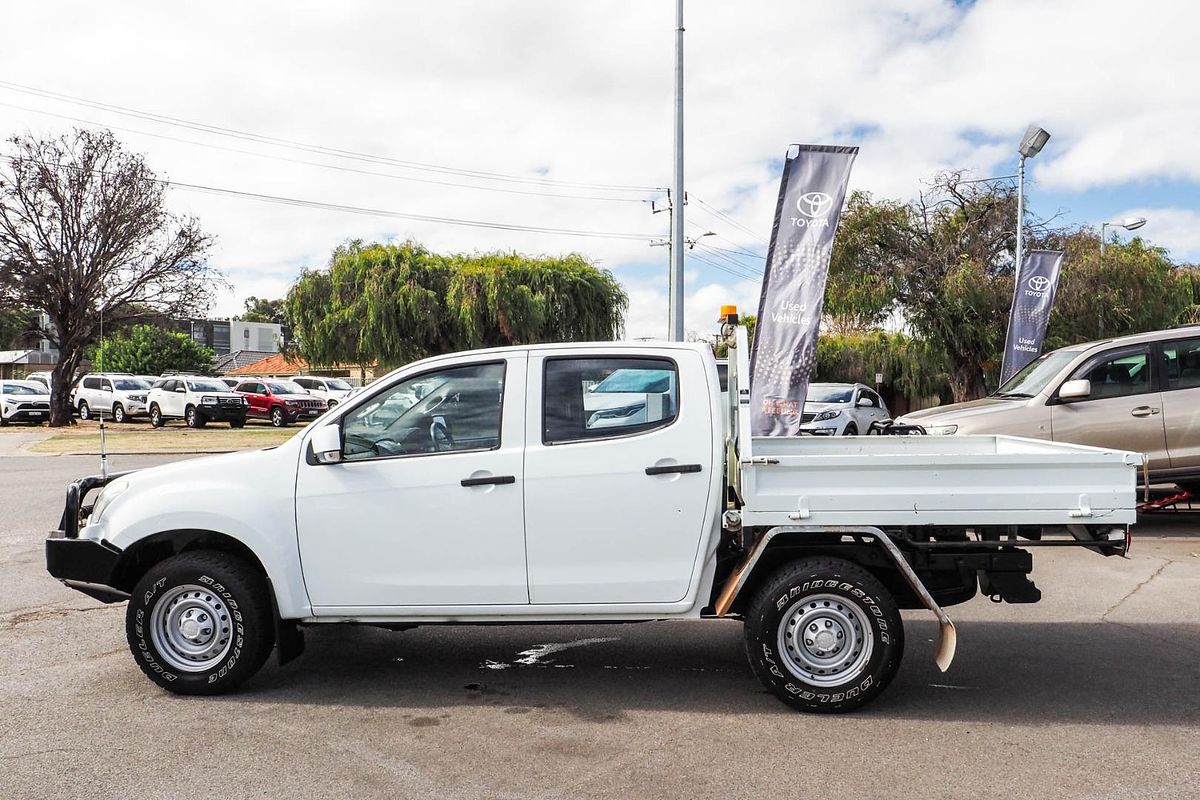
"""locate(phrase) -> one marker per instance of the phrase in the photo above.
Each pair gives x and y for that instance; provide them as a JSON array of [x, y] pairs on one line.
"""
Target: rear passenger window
[[593, 398], [1182, 361]]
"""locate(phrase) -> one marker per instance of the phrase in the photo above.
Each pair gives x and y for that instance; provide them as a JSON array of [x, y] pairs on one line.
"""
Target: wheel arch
[[789, 547], [142, 555]]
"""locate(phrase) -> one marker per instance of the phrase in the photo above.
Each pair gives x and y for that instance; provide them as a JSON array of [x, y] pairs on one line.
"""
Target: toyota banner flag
[[784, 356], [1033, 298]]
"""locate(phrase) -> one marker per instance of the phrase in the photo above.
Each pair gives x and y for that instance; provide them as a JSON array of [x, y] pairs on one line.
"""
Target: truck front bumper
[[87, 565]]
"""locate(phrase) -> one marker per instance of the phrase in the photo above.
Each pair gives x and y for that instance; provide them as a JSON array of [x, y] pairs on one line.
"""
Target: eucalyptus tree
[[85, 236]]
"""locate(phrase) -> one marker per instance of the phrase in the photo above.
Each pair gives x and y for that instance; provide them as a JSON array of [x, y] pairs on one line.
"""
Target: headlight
[[107, 495], [290, 402], [208, 401], [830, 414], [941, 430]]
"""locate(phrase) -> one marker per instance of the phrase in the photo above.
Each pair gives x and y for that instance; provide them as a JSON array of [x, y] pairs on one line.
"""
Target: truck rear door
[[618, 471]]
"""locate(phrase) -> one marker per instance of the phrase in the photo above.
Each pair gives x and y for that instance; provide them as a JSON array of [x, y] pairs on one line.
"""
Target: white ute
[[494, 494]]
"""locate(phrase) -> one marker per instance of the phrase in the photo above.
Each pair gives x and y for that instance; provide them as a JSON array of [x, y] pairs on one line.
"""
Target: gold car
[[1134, 393]]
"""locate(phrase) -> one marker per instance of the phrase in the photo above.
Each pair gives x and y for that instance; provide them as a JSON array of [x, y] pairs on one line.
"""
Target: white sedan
[[841, 409]]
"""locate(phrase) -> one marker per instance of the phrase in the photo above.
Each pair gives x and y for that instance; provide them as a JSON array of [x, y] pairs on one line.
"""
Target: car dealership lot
[[1091, 693]]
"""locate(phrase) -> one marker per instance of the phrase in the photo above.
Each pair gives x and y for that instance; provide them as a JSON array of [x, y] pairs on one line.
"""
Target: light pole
[[675, 310], [1129, 224], [1032, 142]]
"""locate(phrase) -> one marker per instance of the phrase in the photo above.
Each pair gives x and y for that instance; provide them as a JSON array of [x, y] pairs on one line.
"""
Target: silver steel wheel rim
[[191, 628], [825, 640]]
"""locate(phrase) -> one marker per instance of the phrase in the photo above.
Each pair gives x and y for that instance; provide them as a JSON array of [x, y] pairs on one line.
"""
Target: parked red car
[[282, 402]]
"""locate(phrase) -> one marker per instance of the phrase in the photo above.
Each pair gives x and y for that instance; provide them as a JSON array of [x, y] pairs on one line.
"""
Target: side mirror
[[326, 444], [865, 402], [1075, 390], [181, 390]]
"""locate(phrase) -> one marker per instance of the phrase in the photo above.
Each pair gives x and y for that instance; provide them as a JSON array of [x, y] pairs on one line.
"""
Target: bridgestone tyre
[[278, 418], [119, 415], [237, 422], [824, 635], [851, 430], [200, 622], [85, 413], [156, 417], [194, 418]]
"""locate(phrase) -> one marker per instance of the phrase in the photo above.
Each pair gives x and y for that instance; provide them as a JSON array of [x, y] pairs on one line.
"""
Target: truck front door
[[425, 508], [618, 471]]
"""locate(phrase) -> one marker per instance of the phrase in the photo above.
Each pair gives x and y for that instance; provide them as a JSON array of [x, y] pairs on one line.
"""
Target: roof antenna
[[100, 364]]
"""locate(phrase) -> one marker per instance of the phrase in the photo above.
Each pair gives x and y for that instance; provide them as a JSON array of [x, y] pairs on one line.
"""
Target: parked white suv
[[197, 401], [331, 390], [120, 396]]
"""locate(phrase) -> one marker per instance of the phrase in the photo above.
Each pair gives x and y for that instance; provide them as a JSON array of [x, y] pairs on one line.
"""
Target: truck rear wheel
[[824, 635], [200, 622]]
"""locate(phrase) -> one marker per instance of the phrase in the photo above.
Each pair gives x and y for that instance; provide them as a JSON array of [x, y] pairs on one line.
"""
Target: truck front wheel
[[824, 635], [200, 622]]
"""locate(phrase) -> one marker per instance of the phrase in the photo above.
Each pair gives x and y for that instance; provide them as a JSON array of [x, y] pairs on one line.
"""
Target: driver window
[[1119, 375], [452, 410]]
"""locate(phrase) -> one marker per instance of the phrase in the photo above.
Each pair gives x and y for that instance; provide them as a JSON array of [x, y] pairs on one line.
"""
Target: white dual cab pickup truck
[[494, 486]]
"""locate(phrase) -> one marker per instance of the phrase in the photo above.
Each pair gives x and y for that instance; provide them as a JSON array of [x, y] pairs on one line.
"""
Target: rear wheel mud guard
[[948, 636]]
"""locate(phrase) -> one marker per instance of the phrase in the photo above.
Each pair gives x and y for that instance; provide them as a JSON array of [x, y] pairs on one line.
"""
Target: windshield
[[17, 388], [1035, 375], [280, 387], [207, 386], [829, 394], [129, 384], [337, 385], [638, 381]]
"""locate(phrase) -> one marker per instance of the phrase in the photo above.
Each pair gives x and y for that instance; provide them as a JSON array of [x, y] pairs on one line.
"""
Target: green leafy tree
[[148, 350], [911, 367], [260, 309], [868, 236], [1135, 288], [388, 304]]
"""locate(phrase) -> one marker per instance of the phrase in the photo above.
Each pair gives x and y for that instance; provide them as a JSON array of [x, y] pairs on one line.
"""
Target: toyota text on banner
[[784, 356]]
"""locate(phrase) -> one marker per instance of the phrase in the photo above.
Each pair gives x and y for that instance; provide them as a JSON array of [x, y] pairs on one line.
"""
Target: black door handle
[[673, 468], [491, 480]]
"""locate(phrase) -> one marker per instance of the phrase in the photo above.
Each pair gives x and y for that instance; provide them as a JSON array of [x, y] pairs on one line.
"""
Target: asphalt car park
[[1090, 694]]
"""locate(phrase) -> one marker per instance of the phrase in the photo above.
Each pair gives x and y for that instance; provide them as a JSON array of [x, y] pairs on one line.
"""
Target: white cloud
[[582, 92]]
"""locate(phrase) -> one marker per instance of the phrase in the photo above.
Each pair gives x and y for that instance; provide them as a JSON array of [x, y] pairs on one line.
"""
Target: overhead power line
[[354, 170], [716, 212], [722, 267], [375, 212], [221, 130]]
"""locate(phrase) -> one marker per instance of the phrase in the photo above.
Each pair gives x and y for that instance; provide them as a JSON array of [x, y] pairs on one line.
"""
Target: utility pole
[[675, 312]]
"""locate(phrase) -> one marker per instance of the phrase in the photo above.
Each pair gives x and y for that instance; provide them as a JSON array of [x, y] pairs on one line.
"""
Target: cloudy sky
[[558, 115]]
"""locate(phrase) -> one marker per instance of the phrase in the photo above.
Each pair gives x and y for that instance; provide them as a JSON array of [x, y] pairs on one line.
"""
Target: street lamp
[[1032, 142], [1129, 224]]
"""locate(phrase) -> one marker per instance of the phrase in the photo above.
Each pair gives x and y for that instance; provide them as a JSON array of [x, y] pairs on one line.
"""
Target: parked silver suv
[[120, 396], [1134, 393]]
